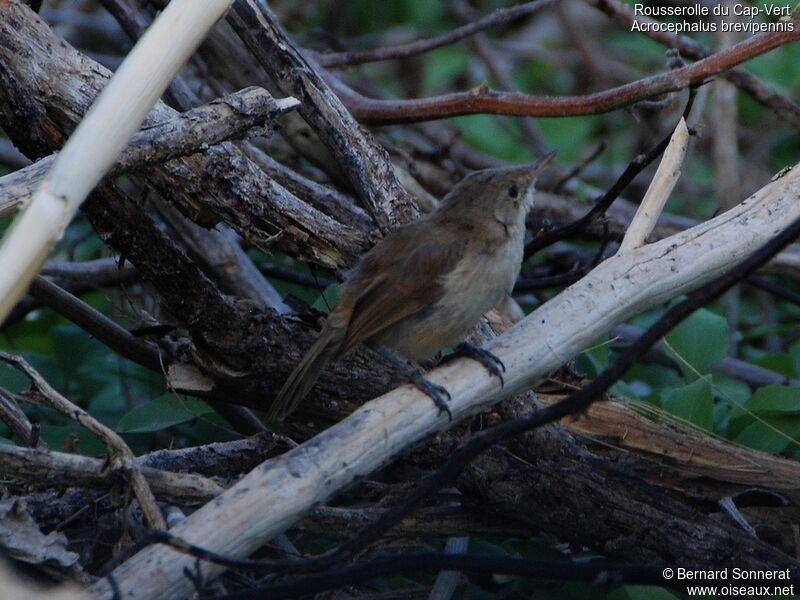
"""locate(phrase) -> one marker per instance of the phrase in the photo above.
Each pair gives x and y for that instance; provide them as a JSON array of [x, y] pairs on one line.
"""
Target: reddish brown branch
[[485, 100], [498, 17], [783, 106]]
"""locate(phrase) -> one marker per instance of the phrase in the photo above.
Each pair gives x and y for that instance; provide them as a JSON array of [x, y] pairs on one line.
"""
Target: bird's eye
[[513, 191]]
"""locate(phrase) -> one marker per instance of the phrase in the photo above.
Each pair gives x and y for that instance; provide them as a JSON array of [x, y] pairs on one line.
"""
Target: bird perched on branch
[[426, 284]]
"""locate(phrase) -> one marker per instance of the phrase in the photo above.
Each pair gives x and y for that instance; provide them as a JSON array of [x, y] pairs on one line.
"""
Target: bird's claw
[[491, 362], [435, 392]]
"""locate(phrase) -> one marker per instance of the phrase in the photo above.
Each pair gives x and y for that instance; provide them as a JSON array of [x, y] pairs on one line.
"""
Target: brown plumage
[[425, 285]]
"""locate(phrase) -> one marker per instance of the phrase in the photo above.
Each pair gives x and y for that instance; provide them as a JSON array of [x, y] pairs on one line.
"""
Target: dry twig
[[58, 469], [782, 105], [644, 221], [485, 100], [185, 134], [498, 17], [121, 458], [365, 162]]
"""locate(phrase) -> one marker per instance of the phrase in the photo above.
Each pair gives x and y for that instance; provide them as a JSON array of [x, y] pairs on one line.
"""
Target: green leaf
[[88, 444], [442, 67], [794, 353], [732, 390], [693, 402], [594, 360], [776, 400], [780, 363], [767, 402], [75, 349], [486, 133], [655, 377], [641, 592], [165, 411], [623, 389], [328, 299], [774, 434], [701, 340]]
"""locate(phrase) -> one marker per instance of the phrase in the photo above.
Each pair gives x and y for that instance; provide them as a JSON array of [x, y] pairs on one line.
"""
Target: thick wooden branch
[[325, 198], [17, 421], [281, 491], [676, 473], [427, 522], [248, 354], [99, 138], [564, 209], [220, 183], [220, 254], [182, 477], [213, 320], [645, 506], [223, 336], [365, 163]]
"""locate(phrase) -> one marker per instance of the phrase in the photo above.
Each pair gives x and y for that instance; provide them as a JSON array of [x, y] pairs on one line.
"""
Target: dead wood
[[249, 353], [365, 163], [645, 489], [631, 485], [121, 458], [219, 184], [47, 469]]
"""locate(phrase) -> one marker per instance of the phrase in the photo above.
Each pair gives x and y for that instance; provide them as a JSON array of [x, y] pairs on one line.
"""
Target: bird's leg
[[492, 364], [435, 392]]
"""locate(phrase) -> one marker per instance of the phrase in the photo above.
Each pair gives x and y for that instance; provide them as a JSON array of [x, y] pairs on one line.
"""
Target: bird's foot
[[435, 392], [492, 364]]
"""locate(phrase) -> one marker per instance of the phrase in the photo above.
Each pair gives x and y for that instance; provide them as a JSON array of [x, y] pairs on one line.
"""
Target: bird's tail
[[305, 374]]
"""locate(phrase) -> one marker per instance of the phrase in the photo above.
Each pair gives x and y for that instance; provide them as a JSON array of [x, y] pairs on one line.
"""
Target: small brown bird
[[426, 284]]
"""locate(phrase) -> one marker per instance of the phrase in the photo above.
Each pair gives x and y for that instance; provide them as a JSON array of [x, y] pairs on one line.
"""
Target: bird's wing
[[414, 281]]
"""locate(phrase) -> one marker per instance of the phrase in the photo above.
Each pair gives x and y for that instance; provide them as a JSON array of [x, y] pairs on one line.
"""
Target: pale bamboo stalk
[[667, 174], [276, 494], [101, 136]]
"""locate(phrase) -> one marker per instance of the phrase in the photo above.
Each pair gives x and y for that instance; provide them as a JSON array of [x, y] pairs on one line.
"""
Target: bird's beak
[[540, 164], [530, 172]]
